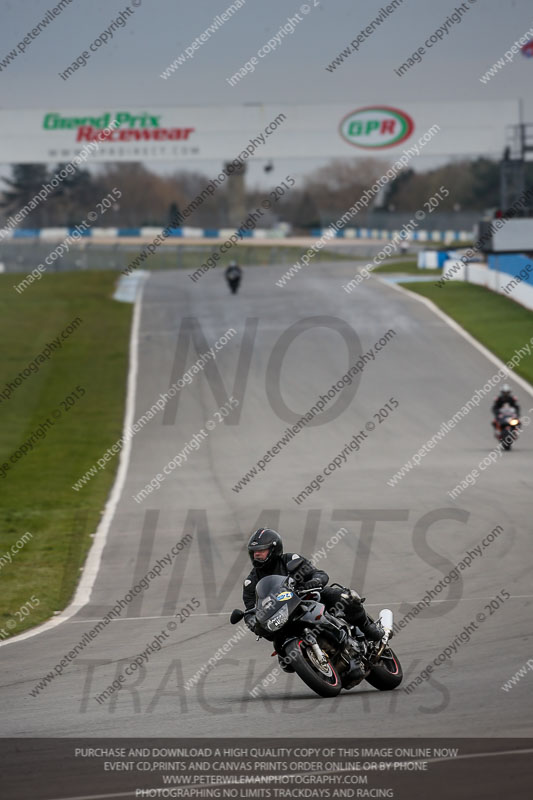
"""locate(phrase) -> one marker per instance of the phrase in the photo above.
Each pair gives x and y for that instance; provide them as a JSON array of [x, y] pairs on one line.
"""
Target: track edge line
[[461, 331]]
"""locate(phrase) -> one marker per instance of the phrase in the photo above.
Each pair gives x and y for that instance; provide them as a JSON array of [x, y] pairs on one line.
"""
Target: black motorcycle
[[507, 427], [325, 651]]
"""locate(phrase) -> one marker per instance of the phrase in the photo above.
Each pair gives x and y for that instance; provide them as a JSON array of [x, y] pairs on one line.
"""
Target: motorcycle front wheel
[[321, 679], [507, 440]]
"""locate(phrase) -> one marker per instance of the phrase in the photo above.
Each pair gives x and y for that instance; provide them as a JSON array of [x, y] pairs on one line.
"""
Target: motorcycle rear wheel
[[387, 673], [325, 685]]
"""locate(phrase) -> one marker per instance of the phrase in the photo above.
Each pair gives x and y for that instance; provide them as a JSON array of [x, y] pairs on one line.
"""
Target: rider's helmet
[[506, 390], [264, 546]]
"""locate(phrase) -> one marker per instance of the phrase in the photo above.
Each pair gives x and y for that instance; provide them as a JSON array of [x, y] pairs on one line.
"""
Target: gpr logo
[[376, 127]]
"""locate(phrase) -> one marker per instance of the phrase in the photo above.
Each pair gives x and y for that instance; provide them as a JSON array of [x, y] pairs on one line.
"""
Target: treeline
[[147, 198], [474, 186], [318, 199]]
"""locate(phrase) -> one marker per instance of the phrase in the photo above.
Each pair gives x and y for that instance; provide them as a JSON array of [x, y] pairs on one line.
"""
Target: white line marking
[[98, 796], [159, 616], [92, 564], [462, 332], [466, 756]]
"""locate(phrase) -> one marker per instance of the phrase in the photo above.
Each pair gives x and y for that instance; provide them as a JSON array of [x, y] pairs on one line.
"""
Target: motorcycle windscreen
[[271, 593]]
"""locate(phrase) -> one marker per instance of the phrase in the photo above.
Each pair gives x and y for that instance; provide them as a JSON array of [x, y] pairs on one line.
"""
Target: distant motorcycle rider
[[506, 397], [233, 276], [265, 549]]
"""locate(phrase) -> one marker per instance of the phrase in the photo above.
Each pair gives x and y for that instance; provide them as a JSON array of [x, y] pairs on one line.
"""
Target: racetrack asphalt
[[401, 541]]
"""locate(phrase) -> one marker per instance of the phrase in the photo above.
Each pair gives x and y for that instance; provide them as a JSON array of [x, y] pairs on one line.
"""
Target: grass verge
[[36, 494], [499, 323], [408, 267]]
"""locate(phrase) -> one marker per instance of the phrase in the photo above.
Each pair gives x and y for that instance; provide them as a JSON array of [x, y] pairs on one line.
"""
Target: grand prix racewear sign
[[218, 133], [129, 127]]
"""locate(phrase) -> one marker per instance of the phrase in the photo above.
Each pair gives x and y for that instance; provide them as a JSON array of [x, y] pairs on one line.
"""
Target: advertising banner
[[354, 129]]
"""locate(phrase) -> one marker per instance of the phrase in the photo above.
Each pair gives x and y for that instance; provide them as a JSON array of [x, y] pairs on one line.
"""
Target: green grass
[[499, 323], [408, 267], [36, 493]]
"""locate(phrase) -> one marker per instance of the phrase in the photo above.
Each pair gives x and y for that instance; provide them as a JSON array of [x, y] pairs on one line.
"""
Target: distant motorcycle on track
[[506, 426], [324, 650], [233, 276]]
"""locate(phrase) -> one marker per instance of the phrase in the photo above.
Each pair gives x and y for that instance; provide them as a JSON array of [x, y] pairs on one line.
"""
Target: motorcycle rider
[[265, 549], [506, 397], [233, 276]]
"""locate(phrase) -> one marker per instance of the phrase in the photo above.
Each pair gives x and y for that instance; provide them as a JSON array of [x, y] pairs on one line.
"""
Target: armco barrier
[[24, 233], [128, 231], [445, 237], [59, 233]]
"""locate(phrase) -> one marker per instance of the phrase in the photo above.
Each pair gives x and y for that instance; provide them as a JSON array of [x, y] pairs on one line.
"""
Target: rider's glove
[[313, 583], [351, 594], [251, 622]]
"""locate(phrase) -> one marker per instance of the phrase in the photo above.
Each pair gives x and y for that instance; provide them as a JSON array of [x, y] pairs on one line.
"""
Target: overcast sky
[[126, 72]]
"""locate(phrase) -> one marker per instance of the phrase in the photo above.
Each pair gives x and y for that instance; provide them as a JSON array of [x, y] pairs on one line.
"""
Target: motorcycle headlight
[[279, 619], [513, 422]]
